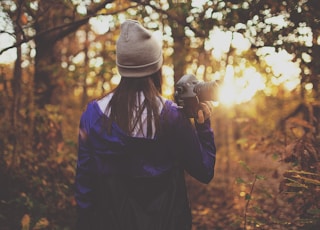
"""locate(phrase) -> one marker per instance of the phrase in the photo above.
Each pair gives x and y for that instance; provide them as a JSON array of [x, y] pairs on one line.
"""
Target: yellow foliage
[[41, 224], [25, 222]]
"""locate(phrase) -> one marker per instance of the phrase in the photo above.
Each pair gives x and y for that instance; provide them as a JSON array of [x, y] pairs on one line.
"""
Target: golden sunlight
[[227, 92], [285, 71], [240, 89], [115, 80], [241, 83], [168, 81]]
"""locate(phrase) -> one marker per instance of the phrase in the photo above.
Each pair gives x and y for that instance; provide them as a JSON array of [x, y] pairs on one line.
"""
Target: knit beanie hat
[[139, 53]]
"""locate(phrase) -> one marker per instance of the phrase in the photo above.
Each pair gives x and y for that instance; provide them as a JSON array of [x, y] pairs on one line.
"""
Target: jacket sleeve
[[84, 180], [196, 148]]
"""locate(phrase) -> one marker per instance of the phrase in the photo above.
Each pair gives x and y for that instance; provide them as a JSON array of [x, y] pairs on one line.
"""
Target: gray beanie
[[139, 53]]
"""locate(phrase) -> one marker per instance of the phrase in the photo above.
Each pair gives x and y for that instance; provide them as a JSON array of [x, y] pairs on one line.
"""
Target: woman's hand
[[204, 112]]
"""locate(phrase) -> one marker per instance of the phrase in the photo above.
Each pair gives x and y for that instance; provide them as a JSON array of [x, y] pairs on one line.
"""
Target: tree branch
[[65, 28]]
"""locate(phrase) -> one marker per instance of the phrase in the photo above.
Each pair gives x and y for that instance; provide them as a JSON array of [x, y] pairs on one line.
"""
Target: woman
[[134, 146]]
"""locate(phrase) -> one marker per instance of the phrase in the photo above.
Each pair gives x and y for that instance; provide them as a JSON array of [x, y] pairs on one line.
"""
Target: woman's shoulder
[[91, 108], [91, 113]]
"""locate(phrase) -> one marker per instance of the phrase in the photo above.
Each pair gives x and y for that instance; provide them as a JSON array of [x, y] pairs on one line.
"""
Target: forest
[[57, 55]]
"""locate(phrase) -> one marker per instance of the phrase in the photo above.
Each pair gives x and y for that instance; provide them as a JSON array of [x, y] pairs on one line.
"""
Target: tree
[[54, 14], [49, 22], [288, 25]]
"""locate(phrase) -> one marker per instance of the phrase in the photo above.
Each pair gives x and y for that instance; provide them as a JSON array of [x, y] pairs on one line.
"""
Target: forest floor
[[234, 200]]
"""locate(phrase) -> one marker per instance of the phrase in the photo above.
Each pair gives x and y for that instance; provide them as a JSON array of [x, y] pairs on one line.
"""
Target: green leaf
[[258, 210], [244, 165], [260, 177], [239, 180], [315, 211]]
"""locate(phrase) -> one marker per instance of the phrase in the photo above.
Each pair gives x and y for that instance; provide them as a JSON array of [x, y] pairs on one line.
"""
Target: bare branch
[[66, 28], [6, 32], [73, 26], [18, 19]]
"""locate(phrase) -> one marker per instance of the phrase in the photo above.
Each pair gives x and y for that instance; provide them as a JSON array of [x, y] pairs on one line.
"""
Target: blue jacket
[[110, 168]]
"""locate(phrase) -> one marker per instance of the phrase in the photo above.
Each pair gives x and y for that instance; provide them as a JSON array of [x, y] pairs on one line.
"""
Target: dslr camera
[[189, 92]]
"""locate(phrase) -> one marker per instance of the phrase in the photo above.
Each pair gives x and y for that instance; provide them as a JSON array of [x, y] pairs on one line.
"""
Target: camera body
[[189, 92]]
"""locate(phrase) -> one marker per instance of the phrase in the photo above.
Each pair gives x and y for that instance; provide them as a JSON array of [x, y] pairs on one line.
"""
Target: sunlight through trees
[[56, 55]]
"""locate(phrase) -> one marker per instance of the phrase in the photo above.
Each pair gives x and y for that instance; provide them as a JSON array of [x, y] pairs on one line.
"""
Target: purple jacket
[[181, 146]]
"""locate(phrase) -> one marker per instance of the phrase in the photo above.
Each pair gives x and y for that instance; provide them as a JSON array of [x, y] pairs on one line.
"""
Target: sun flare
[[240, 89]]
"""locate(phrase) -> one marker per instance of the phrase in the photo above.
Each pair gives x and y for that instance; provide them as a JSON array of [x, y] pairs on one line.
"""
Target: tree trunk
[[46, 62], [316, 71], [180, 52], [181, 41], [51, 27], [44, 79], [16, 130], [86, 69]]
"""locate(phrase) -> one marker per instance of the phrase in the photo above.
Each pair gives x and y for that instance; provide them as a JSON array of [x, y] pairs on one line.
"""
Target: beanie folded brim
[[142, 70]]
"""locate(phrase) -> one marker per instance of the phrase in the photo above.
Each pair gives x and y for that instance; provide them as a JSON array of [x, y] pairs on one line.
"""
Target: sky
[[10, 55], [5, 41]]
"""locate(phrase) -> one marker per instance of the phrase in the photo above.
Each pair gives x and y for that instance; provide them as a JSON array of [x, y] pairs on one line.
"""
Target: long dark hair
[[123, 103]]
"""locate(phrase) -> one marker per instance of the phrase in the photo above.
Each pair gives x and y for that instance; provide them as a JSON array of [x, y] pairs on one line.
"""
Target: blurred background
[[57, 55]]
